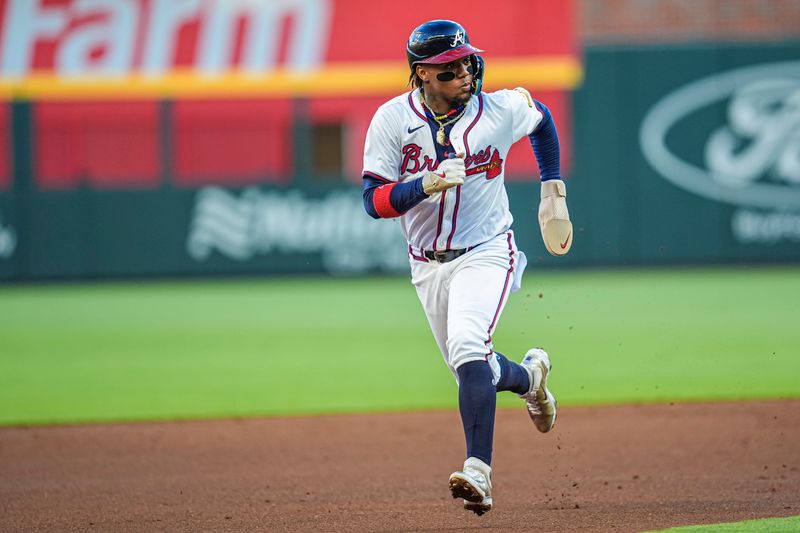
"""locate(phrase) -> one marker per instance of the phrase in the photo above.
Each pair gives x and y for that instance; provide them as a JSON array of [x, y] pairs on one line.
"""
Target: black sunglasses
[[449, 75]]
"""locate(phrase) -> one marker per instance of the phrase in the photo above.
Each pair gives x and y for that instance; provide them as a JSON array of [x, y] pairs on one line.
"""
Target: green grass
[[771, 525], [157, 350]]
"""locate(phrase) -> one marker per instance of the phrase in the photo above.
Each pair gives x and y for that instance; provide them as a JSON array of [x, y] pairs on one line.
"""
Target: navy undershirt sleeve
[[368, 186], [403, 197], [544, 140]]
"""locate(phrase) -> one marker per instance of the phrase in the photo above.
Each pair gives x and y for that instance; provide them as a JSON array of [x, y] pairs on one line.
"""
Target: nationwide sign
[[751, 160], [88, 48], [255, 222]]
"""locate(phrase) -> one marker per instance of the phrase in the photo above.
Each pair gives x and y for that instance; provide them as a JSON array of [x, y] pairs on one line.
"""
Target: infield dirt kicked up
[[627, 468]]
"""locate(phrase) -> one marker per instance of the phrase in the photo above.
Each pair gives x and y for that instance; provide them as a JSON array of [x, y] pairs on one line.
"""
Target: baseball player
[[434, 157]]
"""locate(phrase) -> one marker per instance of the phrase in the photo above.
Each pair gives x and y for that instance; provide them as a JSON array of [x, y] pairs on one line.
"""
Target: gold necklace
[[440, 134]]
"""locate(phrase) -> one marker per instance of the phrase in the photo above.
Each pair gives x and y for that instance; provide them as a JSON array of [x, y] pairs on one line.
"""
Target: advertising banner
[[238, 79], [210, 231], [201, 48], [689, 154]]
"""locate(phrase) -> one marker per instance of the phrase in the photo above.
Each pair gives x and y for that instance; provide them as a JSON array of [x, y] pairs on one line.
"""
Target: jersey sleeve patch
[[527, 95], [524, 114]]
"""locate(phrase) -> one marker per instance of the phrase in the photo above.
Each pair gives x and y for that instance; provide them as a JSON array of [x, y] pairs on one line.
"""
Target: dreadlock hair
[[414, 80]]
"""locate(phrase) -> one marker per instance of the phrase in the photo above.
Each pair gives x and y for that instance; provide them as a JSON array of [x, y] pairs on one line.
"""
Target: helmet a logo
[[458, 39]]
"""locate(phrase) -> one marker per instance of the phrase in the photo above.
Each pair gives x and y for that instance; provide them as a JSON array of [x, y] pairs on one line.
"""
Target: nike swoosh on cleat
[[410, 131], [564, 244]]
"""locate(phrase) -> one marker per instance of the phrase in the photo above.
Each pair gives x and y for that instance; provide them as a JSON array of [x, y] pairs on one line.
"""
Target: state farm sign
[[115, 37], [88, 49]]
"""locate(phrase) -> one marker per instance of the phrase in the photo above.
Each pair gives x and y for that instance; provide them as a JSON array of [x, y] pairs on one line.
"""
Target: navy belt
[[444, 256]]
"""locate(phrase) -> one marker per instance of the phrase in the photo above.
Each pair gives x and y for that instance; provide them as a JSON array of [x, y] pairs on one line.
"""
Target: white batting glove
[[554, 218], [449, 173]]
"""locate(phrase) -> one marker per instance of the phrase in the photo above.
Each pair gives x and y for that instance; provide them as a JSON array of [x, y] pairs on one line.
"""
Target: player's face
[[450, 81]]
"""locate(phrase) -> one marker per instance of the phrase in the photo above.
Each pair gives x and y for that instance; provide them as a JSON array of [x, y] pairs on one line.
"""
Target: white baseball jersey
[[400, 147]]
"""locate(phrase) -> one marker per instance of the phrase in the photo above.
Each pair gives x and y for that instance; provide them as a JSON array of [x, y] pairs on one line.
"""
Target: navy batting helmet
[[443, 41], [438, 41]]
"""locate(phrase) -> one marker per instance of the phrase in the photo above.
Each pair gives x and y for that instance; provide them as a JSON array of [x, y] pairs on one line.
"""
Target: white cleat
[[540, 402], [474, 485]]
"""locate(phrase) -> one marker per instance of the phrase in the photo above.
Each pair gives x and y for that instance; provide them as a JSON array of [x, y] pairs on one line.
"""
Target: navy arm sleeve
[[385, 199], [544, 140]]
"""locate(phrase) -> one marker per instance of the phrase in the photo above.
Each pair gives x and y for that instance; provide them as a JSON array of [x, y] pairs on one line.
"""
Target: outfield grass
[[157, 350], [771, 525]]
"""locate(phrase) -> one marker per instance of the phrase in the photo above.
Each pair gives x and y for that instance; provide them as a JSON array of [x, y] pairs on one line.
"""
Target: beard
[[458, 100]]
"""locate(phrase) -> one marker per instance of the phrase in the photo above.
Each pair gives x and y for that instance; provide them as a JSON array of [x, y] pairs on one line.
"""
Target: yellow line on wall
[[335, 79]]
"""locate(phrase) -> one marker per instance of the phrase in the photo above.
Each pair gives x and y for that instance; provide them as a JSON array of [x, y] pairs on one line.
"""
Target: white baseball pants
[[464, 298]]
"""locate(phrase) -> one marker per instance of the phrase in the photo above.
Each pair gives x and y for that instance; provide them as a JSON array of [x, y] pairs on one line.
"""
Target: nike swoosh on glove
[[554, 218], [450, 173]]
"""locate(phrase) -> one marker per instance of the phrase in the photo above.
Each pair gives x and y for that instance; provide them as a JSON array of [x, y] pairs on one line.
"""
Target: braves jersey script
[[400, 147]]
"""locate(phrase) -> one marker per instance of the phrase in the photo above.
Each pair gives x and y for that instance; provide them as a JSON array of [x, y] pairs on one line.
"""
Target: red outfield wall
[[98, 70]]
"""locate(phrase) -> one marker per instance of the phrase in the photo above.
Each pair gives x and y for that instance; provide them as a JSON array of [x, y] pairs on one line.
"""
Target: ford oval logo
[[751, 160]]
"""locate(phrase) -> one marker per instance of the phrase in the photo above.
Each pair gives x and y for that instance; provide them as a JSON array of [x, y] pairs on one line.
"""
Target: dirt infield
[[602, 469]]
